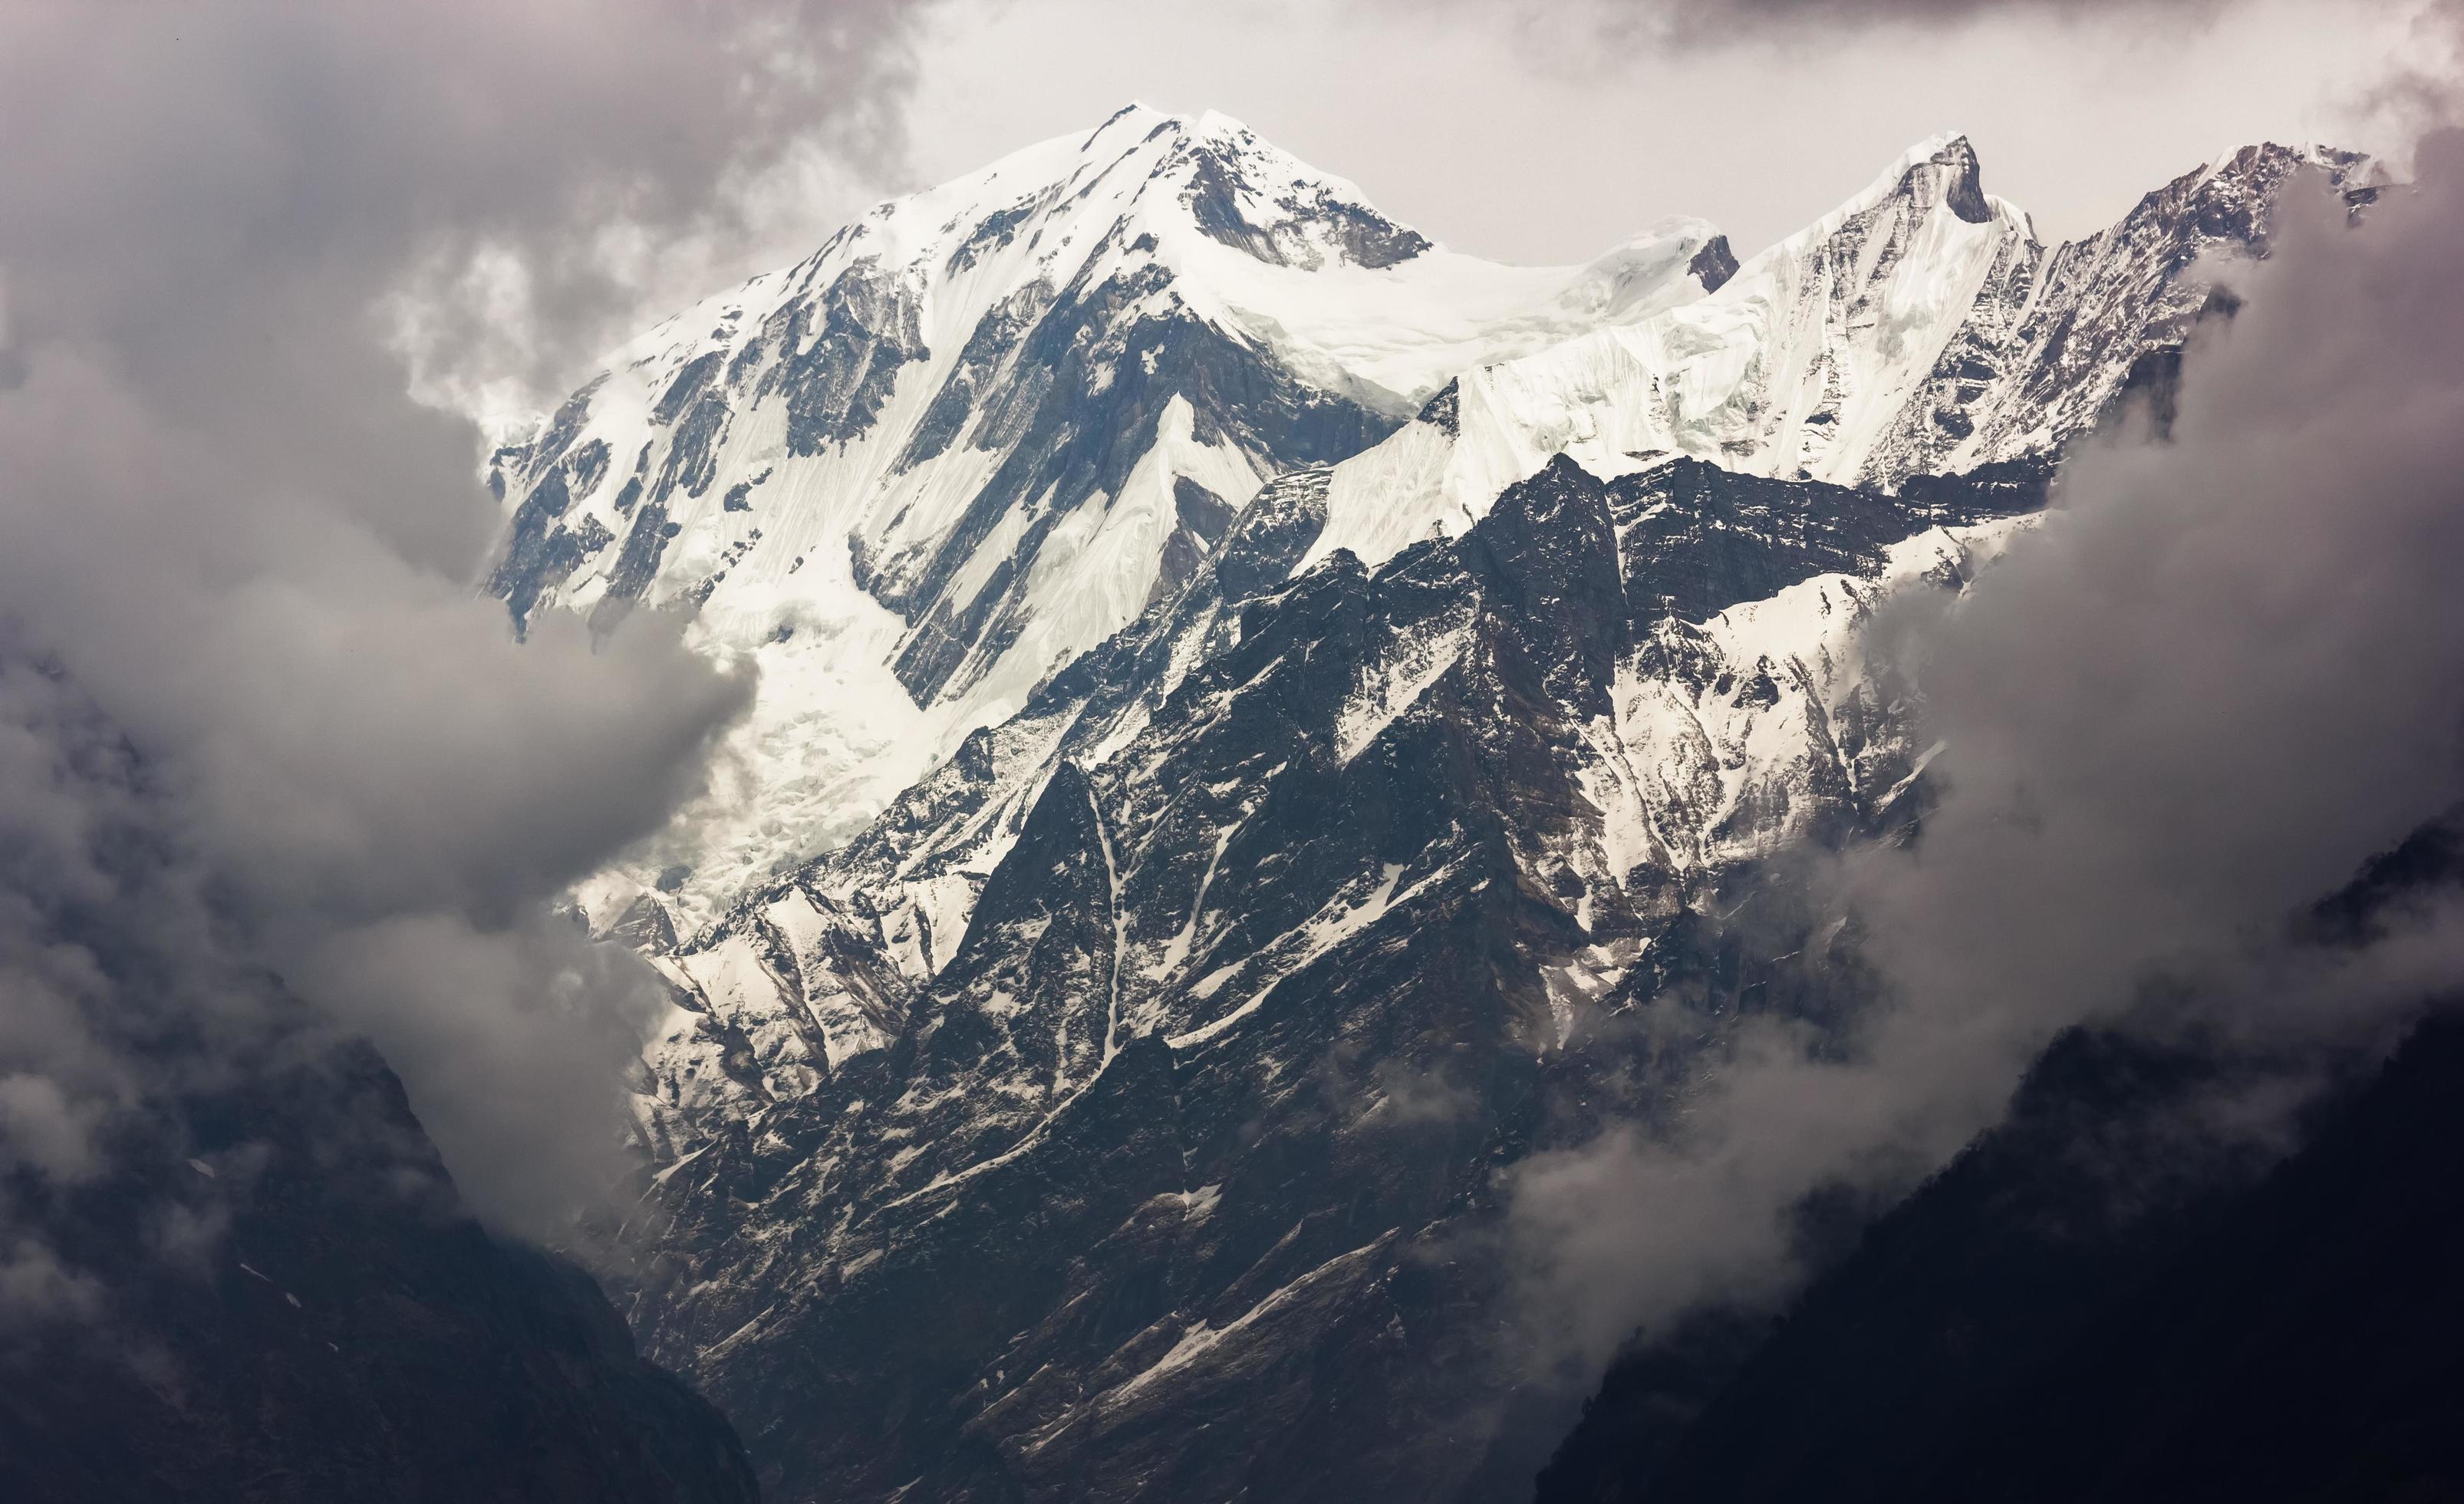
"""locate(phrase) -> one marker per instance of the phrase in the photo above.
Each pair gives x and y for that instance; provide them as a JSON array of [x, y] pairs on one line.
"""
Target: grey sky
[[1532, 133]]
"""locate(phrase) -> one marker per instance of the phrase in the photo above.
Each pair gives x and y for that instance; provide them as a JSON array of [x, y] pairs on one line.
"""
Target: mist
[[1696, 25], [260, 734], [2216, 680]]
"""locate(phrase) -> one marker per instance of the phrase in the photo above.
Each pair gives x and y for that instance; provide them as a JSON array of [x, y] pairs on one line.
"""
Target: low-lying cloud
[[2221, 677], [1700, 24], [253, 718]]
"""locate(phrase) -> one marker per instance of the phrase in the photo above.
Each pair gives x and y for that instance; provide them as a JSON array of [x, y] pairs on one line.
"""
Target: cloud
[[1699, 17], [1701, 24], [252, 716], [2219, 680]]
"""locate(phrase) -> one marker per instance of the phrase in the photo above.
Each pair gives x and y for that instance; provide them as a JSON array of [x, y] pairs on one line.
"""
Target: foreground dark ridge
[[334, 1328], [2051, 1321], [2104, 1299]]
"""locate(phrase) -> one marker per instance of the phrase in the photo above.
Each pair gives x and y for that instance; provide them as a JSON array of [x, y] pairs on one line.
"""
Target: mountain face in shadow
[[2096, 1302], [272, 1295]]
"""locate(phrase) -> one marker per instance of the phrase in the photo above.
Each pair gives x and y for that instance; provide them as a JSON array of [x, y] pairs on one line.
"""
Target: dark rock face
[[338, 1330], [1203, 517], [1362, 237], [1964, 188], [1169, 1181], [1714, 264], [1717, 537], [636, 565], [967, 397], [559, 436], [2076, 1310], [541, 550], [839, 354], [2109, 1295], [2056, 336], [536, 559]]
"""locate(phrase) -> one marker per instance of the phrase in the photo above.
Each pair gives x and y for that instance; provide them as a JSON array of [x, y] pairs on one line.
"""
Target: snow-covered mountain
[[917, 472], [1919, 328], [977, 431], [2102, 316], [1372, 685]]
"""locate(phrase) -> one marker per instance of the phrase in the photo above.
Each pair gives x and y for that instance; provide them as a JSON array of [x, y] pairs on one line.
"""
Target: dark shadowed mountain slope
[[2098, 1303], [284, 1303], [231, 1265]]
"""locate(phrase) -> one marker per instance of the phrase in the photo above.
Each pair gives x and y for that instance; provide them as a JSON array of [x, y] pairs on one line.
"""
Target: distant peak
[[1963, 185], [1144, 119], [1942, 145], [2346, 168], [1244, 192], [1942, 168]]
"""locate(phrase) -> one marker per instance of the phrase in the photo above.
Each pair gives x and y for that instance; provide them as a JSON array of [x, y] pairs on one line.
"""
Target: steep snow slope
[[1920, 328], [979, 429]]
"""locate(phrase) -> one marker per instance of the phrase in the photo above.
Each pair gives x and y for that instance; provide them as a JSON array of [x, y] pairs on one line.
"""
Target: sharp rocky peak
[[1949, 175], [1942, 169], [1245, 192]]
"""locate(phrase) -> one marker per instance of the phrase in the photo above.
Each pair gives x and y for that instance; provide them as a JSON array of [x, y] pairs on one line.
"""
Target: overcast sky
[[1522, 135]]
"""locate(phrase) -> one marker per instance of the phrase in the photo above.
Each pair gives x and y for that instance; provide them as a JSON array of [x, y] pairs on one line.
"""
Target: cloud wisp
[[256, 719], [1699, 25], [2217, 682]]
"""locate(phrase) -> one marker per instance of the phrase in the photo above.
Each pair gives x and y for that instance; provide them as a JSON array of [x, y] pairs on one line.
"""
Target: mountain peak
[[2352, 170], [1216, 124], [1141, 118], [1242, 190], [1942, 168], [1137, 112]]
